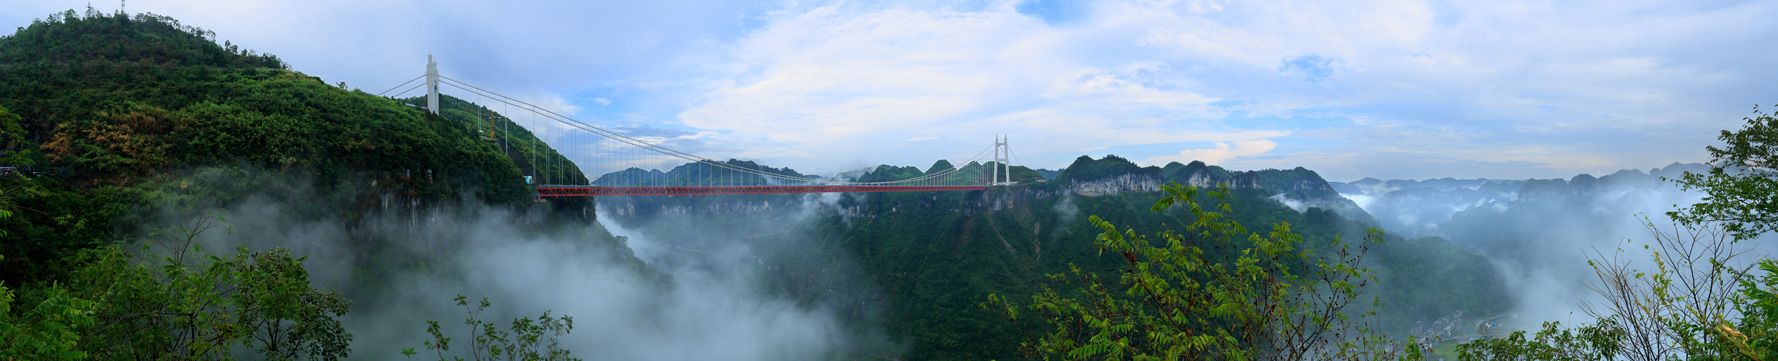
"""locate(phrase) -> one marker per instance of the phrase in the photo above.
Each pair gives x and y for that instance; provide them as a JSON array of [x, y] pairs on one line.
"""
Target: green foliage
[[530, 154], [44, 332], [115, 116], [1087, 169], [1174, 171], [695, 174], [527, 339], [940, 166], [14, 151], [1691, 305], [1756, 335], [1214, 292], [141, 112], [932, 256], [975, 173], [56, 222], [1023, 175], [67, 37], [12, 139], [122, 108], [188, 304], [1599, 341], [1741, 185], [884, 173], [1428, 278]]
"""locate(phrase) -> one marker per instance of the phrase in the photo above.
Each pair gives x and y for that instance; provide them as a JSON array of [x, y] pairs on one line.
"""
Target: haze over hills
[[1418, 207], [1537, 232], [925, 255]]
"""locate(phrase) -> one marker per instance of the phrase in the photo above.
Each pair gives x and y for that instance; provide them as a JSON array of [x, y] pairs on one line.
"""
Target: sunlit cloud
[[1218, 154]]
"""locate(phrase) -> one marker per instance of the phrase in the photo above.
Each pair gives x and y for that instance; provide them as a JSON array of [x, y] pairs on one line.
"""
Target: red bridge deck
[[591, 191]]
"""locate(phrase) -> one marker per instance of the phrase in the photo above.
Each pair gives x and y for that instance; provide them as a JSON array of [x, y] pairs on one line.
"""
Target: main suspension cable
[[402, 83], [537, 110]]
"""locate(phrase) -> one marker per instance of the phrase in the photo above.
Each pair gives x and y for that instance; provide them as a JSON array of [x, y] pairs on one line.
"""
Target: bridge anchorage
[[631, 166]]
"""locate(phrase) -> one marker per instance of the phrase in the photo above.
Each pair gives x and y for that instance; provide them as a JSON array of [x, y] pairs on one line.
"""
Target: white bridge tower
[[431, 85], [1001, 162]]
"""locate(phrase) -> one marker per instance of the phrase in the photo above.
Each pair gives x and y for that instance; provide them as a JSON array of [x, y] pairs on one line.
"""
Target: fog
[[755, 277], [1538, 233], [632, 297]]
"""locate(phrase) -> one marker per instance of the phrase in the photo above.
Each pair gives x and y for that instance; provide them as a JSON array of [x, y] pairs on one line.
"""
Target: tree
[[527, 339], [1694, 304], [1216, 292], [46, 331], [188, 304], [1595, 342], [1701, 300], [1741, 188], [14, 151], [1682, 308]]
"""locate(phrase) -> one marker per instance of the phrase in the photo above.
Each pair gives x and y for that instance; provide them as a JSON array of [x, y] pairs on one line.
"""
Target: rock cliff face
[[1238, 180], [1115, 184], [1298, 188]]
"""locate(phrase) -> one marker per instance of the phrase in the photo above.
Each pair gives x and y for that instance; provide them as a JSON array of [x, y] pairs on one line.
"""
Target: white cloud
[[557, 104], [831, 84], [1221, 153]]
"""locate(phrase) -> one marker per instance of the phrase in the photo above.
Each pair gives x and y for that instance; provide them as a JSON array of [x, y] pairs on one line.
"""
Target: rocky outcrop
[[1115, 184]]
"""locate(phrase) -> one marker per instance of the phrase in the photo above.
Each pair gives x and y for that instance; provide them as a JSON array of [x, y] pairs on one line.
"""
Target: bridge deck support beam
[[587, 191]]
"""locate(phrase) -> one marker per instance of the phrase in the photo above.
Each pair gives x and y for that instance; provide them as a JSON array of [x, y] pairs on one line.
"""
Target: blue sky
[[1352, 89]]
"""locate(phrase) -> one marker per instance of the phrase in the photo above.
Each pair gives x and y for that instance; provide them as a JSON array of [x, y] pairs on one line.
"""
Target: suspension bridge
[[630, 166]]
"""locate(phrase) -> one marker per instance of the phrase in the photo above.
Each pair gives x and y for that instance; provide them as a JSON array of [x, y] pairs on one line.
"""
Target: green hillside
[[127, 113]]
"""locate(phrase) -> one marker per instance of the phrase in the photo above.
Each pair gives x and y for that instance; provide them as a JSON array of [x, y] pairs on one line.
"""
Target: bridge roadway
[[593, 191]]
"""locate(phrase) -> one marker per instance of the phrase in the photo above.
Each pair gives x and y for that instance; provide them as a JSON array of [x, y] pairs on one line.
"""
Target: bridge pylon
[[1001, 162], [431, 85]]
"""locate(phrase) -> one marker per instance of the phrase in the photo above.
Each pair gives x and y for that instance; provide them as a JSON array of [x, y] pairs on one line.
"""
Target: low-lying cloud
[[402, 267]]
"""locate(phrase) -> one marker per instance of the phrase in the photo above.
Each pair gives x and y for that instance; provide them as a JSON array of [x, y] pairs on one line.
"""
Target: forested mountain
[[920, 263], [128, 119]]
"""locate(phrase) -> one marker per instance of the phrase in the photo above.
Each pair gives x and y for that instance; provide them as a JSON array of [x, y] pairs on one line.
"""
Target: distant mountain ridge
[[1374, 187], [1418, 207], [1298, 188]]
